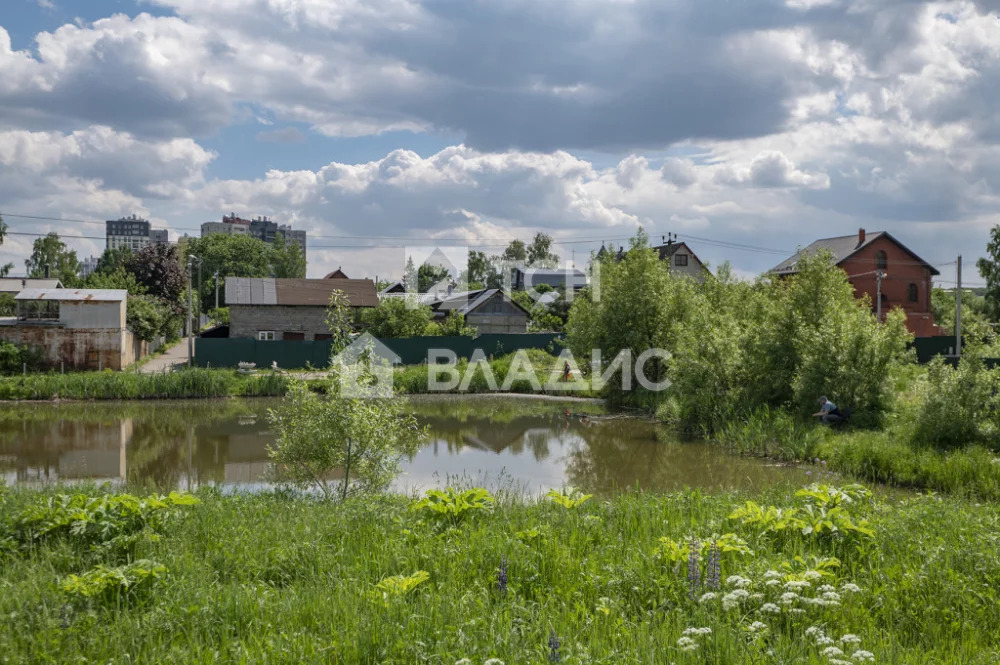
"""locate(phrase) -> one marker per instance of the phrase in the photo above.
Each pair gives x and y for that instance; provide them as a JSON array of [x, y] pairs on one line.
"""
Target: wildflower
[[797, 585], [812, 575], [826, 587], [850, 587], [770, 608], [861, 655], [732, 599], [772, 575], [757, 626], [714, 566], [813, 630], [463, 661], [796, 610], [838, 661], [493, 661], [832, 596], [694, 566], [502, 576], [686, 644], [832, 652], [705, 597], [553, 647], [738, 581], [823, 640], [788, 598], [850, 638], [697, 631]]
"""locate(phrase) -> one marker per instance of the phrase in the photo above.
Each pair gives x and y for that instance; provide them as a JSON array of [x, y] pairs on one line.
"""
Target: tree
[[428, 275], [51, 252], [338, 321], [112, 259], [989, 270], [319, 438], [454, 324], [395, 317], [287, 259], [7, 267], [479, 269], [231, 256], [539, 252], [516, 252], [158, 268]]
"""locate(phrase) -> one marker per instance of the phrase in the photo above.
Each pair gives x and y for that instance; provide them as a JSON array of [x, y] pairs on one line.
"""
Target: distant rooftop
[[64, 295], [17, 284], [271, 291]]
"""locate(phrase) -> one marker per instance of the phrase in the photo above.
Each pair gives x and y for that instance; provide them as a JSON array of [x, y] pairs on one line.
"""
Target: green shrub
[[14, 359], [959, 406], [114, 586]]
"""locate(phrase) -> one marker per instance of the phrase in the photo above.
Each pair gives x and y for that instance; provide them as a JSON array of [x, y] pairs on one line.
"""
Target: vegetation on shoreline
[[134, 385], [684, 578]]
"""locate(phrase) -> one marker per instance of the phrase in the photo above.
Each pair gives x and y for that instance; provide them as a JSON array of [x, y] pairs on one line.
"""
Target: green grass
[[187, 383], [274, 579]]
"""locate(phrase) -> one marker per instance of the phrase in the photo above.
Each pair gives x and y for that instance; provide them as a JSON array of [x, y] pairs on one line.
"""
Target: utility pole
[[216, 289], [879, 276], [958, 308], [190, 312]]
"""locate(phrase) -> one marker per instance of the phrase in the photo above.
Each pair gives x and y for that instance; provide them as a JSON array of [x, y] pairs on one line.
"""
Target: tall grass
[[130, 385], [276, 579]]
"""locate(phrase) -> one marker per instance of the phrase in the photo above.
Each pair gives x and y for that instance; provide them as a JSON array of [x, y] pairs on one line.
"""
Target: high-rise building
[[230, 224], [89, 265], [132, 232]]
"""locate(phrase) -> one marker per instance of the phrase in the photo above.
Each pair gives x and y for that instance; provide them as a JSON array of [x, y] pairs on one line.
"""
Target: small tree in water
[[336, 442]]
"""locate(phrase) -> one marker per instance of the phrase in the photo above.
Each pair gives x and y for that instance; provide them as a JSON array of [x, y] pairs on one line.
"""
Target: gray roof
[[464, 302], [18, 284], [842, 248], [309, 292], [92, 295], [554, 276]]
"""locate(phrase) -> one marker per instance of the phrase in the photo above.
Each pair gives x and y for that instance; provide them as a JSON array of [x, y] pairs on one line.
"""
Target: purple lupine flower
[[714, 571], [694, 566], [554, 656], [502, 576]]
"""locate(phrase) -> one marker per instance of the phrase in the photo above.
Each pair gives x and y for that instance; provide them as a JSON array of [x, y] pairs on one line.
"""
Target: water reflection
[[531, 444]]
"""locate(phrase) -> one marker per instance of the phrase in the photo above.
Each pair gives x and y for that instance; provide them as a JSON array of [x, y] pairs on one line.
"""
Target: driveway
[[173, 358]]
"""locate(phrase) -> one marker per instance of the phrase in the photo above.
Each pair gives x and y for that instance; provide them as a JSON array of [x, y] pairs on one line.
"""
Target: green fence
[[229, 351], [928, 347]]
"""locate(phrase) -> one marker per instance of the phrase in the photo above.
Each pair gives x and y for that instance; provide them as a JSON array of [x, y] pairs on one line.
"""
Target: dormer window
[[881, 260]]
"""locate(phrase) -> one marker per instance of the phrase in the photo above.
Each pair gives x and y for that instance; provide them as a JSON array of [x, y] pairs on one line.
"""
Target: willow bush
[[738, 346]]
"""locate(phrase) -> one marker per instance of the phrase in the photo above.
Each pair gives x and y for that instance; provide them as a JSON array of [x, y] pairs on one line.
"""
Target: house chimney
[[861, 237]]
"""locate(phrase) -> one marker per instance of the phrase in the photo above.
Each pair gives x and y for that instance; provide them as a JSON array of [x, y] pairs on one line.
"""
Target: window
[[911, 292], [881, 261], [38, 310], [680, 259], [266, 335]]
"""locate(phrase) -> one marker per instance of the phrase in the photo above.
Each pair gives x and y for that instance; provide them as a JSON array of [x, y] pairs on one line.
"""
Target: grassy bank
[[131, 385], [272, 579]]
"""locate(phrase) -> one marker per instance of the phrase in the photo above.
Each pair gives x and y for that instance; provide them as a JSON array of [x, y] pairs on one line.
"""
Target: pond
[[495, 441]]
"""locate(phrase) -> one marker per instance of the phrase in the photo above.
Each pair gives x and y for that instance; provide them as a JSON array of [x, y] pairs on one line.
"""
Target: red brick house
[[907, 280]]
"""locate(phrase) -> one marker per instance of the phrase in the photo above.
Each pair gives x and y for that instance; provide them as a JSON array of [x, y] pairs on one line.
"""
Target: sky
[[747, 127]]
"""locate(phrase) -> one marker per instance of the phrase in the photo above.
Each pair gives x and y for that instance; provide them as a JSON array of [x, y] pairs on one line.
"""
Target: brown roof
[[843, 248], [336, 274], [269, 291]]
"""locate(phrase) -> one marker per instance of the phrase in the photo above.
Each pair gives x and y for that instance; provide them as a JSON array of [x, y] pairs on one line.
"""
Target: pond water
[[528, 444]]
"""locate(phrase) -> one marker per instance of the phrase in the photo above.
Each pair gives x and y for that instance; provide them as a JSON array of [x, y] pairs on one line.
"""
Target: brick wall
[[248, 320], [901, 270]]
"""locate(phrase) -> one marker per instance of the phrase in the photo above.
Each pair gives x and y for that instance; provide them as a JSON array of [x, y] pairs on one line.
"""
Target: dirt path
[[173, 358]]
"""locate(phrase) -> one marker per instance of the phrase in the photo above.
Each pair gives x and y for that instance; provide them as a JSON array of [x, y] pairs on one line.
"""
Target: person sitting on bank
[[828, 411]]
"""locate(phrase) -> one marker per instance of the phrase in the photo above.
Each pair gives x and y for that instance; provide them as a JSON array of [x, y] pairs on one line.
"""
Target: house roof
[[464, 302], [17, 284], [669, 249], [336, 274], [843, 248], [571, 276], [64, 295], [308, 292]]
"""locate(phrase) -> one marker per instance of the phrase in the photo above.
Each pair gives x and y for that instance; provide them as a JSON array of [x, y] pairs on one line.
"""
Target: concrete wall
[[248, 320], [82, 314], [75, 348]]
